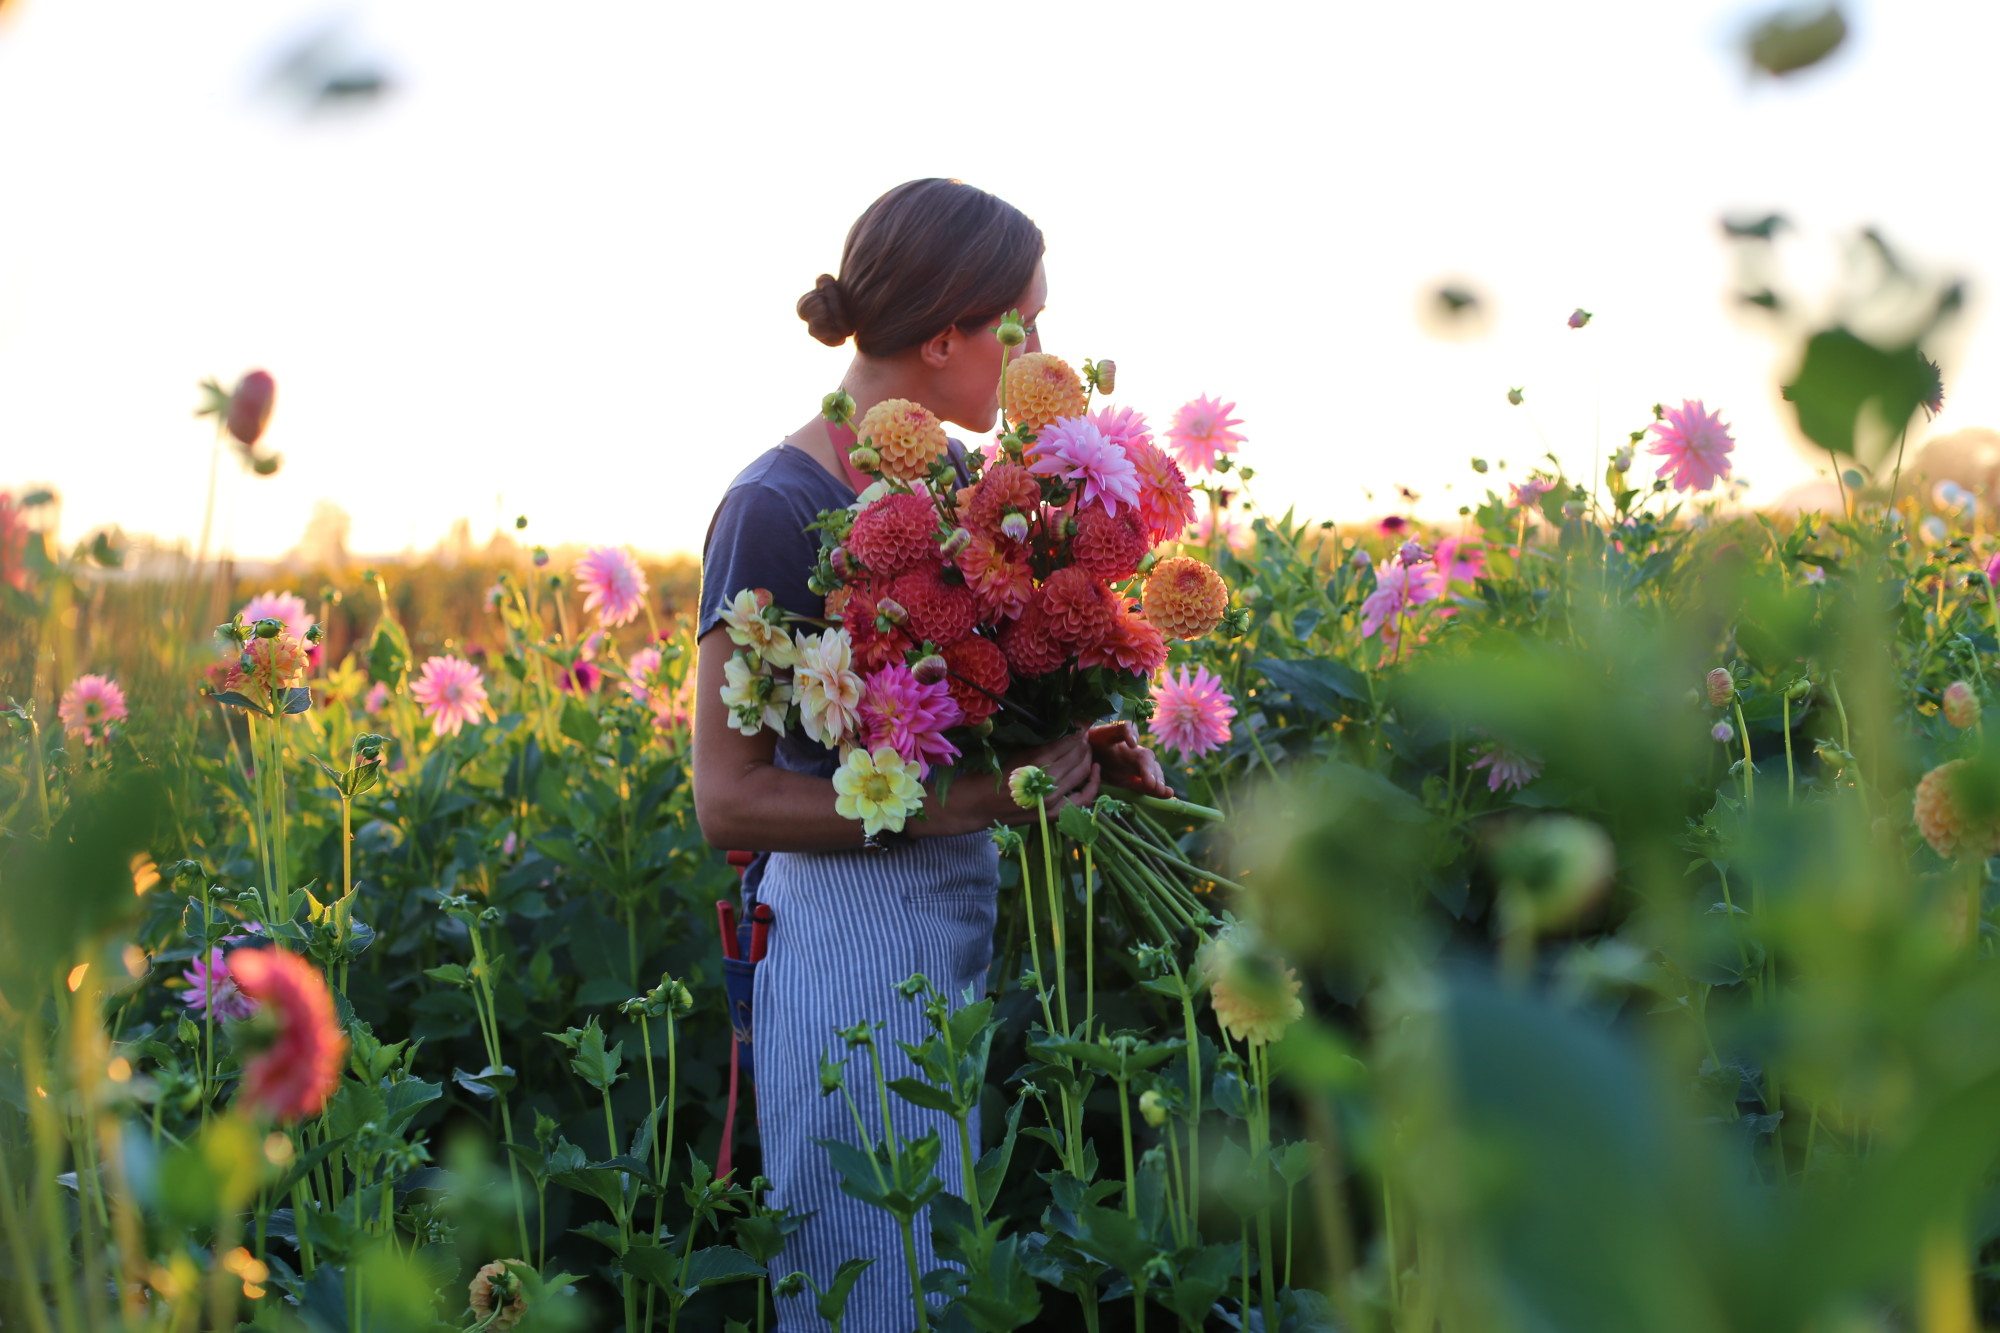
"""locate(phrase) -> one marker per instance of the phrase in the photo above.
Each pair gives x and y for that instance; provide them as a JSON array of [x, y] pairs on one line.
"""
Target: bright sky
[[553, 270]]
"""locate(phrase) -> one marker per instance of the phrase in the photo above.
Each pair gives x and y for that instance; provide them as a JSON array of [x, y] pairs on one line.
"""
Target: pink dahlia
[[288, 609], [211, 987], [1694, 446], [1398, 588], [1461, 561], [1219, 527], [299, 1064], [1191, 714], [580, 677], [13, 544], [376, 699], [452, 693], [90, 708], [910, 716], [1507, 768], [640, 670], [1528, 494], [1200, 433], [1076, 450], [614, 587]]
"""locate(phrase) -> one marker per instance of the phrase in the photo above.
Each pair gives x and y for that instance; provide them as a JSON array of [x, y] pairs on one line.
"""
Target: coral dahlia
[[496, 1295], [998, 577], [1185, 598], [1942, 817], [874, 644], [1077, 609], [1133, 644], [292, 1076], [1109, 545], [905, 435], [1042, 388], [1005, 488]]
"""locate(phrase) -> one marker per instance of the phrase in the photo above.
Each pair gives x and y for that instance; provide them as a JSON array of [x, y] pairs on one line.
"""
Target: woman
[[926, 274]]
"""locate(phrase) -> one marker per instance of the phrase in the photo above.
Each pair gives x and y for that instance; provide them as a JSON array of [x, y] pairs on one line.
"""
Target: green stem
[[916, 1279], [1749, 765]]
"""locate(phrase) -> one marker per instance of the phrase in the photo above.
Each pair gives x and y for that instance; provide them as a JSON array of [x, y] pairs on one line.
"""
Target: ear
[[936, 353]]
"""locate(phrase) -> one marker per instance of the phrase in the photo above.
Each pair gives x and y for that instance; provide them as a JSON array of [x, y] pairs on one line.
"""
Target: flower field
[[1594, 936]]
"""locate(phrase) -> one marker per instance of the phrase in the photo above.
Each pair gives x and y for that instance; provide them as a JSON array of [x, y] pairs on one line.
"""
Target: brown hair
[[926, 256]]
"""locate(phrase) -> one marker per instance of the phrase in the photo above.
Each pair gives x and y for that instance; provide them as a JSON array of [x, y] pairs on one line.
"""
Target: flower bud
[[1723, 733], [1622, 460], [890, 612], [1153, 1108], [1103, 375], [837, 407], [265, 465], [1014, 526], [1010, 333], [1361, 559], [1028, 785], [930, 669], [268, 628], [314, 633], [842, 562], [1961, 704], [1479, 465], [864, 458], [1514, 396], [520, 521], [541, 556], [956, 542], [1412, 552], [1579, 317], [791, 1284], [250, 407], [1721, 687]]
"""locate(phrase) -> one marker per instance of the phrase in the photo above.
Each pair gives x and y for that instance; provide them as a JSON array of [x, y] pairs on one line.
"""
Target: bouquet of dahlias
[[964, 621]]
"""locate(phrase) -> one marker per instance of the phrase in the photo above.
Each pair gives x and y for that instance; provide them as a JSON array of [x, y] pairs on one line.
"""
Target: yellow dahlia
[[879, 788], [1256, 998], [1184, 597], [1042, 388], [1944, 821], [906, 436]]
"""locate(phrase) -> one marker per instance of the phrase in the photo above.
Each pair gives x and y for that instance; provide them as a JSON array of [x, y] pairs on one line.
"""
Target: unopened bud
[[864, 458], [930, 669], [1361, 558], [1723, 733], [1014, 526], [1622, 460], [1514, 396], [837, 407], [1579, 317], [1153, 1108], [842, 562], [1010, 333], [1961, 704], [314, 633], [1721, 687], [268, 628], [890, 612], [1103, 375], [956, 542], [1412, 552], [250, 407], [541, 556]]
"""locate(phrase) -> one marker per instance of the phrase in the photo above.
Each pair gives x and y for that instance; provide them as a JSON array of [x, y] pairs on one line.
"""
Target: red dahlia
[[1079, 608], [1133, 644], [1005, 486], [1110, 548], [1030, 648], [939, 611], [895, 534], [978, 677], [874, 646]]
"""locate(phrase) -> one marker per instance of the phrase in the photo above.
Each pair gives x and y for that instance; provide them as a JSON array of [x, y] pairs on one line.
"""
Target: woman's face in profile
[[969, 389]]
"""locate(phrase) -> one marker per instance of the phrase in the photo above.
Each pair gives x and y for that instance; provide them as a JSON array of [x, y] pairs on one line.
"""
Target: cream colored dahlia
[[495, 1293], [1184, 597], [1042, 388], [906, 435]]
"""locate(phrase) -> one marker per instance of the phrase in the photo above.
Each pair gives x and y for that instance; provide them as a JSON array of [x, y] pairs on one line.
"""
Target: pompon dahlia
[[1184, 597], [1030, 648], [978, 678], [294, 1074], [874, 644], [1133, 645], [451, 691], [1941, 816], [496, 1295], [1200, 433], [909, 716], [940, 611], [1077, 609], [998, 577], [1005, 488], [1693, 446], [1191, 714], [895, 534], [906, 435], [1077, 451], [1109, 546], [1042, 388], [90, 707], [614, 587]]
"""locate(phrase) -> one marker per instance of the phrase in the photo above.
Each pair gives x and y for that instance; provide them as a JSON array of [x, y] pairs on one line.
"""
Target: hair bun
[[825, 312]]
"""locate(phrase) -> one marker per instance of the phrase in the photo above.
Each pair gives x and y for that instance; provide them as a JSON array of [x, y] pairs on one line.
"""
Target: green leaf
[[593, 1063], [579, 723], [919, 1093], [1842, 377], [297, 700], [832, 1303], [488, 1083], [719, 1264], [1318, 684], [235, 700]]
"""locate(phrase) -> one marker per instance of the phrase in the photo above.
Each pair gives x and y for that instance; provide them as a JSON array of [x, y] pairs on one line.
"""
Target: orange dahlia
[[1006, 486], [999, 578], [291, 1077], [1078, 609], [496, 1294], [1109, 546], [1185, 598], [1943, 819], [875, 645], [1133, 644], [978, 677], [906, 436], [276, 663], [940, 611], [895, 534], [1030, 649], [1042, 388]]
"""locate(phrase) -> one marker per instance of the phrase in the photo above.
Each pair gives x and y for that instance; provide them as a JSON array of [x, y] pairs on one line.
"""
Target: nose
[[1034, 343]]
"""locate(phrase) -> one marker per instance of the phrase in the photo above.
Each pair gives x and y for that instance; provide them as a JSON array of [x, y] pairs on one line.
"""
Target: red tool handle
[[725, 916], [760, 931]]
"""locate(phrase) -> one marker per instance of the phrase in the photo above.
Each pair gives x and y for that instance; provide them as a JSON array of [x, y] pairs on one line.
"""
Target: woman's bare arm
[[744, 801]]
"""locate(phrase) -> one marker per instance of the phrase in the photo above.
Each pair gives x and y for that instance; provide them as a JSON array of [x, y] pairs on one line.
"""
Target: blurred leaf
[[1789, 41]]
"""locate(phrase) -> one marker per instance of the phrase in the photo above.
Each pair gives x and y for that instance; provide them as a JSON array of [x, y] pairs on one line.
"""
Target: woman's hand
[[1126, 763], [981, 800]]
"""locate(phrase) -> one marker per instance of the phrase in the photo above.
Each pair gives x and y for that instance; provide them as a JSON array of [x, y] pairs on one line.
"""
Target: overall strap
[[842, 436]]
